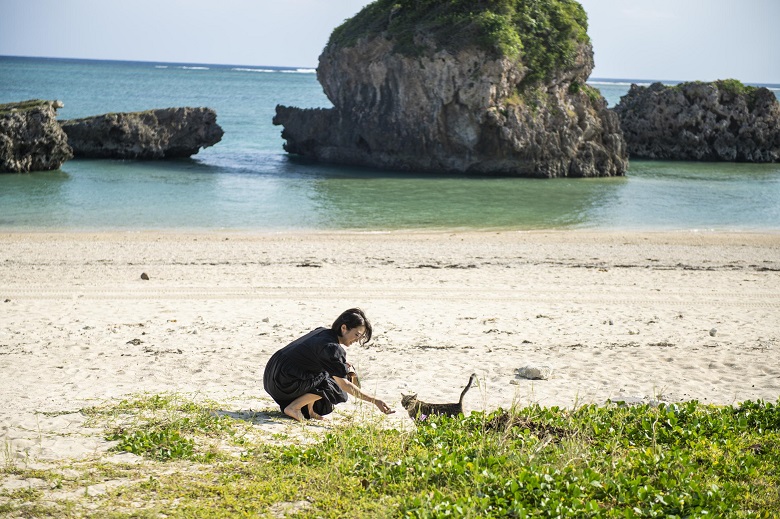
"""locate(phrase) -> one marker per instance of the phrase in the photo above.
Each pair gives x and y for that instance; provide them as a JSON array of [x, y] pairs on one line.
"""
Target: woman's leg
[[294, 409]]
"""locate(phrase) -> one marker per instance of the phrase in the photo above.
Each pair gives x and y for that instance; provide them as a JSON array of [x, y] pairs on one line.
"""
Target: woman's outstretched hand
[[383, 407]]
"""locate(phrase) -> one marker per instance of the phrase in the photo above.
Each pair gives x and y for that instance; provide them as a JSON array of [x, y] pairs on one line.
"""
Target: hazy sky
[[637, 39]]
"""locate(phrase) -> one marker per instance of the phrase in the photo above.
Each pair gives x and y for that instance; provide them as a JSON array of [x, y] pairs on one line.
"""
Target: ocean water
[[247, 182]]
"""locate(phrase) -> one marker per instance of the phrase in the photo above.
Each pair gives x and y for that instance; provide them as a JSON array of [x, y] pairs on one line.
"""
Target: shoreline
[[661, 235], [401, 231], [614, 315]]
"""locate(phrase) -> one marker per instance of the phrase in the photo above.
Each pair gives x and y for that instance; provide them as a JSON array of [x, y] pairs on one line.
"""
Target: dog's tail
[[468, 386]]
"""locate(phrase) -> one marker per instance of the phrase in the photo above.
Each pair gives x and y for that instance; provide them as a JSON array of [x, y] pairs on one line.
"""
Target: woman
[[310, 375]]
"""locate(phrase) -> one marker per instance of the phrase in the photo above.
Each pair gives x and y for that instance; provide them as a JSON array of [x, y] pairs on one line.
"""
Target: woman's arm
[[355, 391]]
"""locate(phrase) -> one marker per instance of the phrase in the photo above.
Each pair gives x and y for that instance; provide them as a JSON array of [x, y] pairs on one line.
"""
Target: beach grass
[[193, 460]]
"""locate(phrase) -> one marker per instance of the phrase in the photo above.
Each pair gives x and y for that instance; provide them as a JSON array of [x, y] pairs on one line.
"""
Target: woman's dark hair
[[353, 318]]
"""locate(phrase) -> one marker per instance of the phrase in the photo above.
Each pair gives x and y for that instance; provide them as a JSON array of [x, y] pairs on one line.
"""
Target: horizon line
[[288, 67]]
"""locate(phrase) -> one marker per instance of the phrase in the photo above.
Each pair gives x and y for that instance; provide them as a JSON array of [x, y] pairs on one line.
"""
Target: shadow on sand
[[256, 417]]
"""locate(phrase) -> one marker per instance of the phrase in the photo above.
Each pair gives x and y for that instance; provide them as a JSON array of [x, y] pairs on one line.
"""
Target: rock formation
[[152, 134], [31, 139], [719, 121], [461, 86]]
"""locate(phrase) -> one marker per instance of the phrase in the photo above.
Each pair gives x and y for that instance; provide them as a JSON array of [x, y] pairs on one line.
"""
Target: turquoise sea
[[248, 183]]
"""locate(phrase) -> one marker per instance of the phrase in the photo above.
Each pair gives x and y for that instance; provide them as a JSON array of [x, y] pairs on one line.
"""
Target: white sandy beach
[[615, 315]]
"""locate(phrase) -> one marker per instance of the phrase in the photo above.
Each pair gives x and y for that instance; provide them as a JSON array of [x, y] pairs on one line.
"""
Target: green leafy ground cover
[[678, 460]]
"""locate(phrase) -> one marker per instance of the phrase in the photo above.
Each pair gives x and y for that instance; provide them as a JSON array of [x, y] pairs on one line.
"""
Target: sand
[[613, 316]]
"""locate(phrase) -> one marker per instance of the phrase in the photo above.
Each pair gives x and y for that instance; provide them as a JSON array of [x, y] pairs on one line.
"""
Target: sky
[[632, 39]]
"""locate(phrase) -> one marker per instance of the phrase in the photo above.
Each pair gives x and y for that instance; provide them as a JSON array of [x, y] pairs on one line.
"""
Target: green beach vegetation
[[671, 460], [544, 34]]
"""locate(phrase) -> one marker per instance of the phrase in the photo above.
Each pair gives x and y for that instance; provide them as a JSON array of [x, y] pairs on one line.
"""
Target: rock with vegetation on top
[[719, 121], [153, 134], [31, 139], [495, 88]]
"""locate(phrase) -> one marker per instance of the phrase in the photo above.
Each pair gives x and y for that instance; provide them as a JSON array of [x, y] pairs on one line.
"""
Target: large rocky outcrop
[[31, 139], [719, 121], [456, 103], [152, 134]]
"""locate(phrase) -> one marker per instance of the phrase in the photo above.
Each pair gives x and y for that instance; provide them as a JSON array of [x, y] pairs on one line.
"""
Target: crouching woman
[[309, 376]]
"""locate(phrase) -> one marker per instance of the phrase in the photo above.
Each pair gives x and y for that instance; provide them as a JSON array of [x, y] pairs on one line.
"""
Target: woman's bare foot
[[294, 413], [314, 415]]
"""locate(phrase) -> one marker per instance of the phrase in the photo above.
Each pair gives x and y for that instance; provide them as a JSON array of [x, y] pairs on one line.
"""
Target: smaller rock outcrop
[[31, 139], [152, 134], [720, 121]]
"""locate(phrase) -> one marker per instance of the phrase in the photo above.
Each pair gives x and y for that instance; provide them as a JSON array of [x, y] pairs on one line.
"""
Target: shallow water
[[248, 182]]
